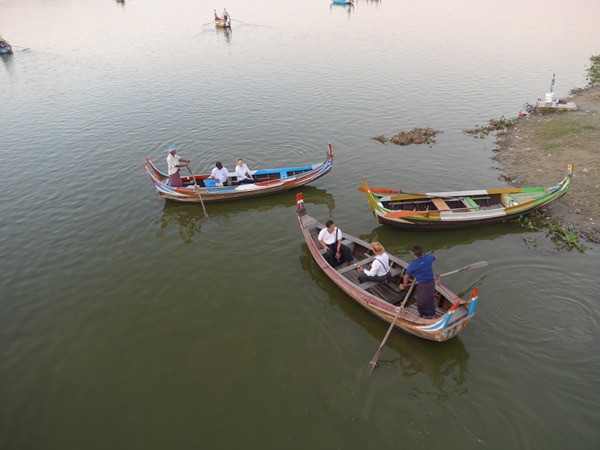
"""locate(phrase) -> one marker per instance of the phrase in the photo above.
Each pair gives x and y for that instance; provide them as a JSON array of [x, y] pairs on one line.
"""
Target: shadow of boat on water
[[444, 363], [401, 241], [188, 218]]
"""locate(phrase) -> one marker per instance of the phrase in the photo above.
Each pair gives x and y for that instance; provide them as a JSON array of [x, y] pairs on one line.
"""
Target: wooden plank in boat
[[353, 266], [440, 204]]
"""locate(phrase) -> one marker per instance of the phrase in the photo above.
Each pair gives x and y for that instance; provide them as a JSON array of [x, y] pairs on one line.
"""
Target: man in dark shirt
[[422, 269]]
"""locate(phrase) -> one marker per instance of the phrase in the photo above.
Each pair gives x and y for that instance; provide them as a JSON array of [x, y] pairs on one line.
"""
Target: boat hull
[[442, 328], [287, 179], [453, 210]]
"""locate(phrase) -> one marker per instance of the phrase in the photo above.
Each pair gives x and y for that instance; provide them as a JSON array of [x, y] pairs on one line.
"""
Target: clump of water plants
[[498, 126], [562, 238], [415, 136]]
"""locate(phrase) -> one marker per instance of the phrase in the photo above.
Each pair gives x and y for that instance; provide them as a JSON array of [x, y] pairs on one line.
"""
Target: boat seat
[[395, 272], [471, 204], [353, 266], [440, 204]]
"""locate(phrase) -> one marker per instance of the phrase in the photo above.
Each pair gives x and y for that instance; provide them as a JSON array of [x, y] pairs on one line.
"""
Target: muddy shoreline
[[535, 151]]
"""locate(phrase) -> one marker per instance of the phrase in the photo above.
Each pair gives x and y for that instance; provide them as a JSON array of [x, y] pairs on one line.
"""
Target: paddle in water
[[466, 268]]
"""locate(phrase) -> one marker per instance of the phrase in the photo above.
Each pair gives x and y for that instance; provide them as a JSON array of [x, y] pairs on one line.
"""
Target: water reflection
[[226, 33], [401, 241], [444, 363], [121, 2], [349, 7], [188, 219], [7, 59]]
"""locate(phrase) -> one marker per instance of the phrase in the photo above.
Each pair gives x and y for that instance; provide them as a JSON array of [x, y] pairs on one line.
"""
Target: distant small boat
[[222, 23], [342, 2], [445, 210], [269, 181], [5, 47], [452, 314]]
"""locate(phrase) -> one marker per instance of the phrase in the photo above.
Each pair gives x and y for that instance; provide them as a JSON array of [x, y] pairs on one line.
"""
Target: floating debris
[[415, 136], [498, 125], [563, 238]]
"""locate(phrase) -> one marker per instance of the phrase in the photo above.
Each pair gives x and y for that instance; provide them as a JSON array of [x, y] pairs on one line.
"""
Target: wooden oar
[[373, 362], [466, 268], [477, 265], [196, 190]]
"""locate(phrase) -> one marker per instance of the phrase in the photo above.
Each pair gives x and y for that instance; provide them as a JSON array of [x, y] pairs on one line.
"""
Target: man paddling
[[173, 165], [422, 269]]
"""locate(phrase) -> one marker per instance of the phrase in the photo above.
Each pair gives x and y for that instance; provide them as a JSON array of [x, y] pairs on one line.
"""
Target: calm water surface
[[129, 322]]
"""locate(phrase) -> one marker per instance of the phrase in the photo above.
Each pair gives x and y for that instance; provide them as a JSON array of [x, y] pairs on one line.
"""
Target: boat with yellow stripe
[[459, 209]]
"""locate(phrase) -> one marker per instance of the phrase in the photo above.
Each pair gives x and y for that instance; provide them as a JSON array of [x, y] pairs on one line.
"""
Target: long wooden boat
[[269, 181], [446, 210], [381, 299]]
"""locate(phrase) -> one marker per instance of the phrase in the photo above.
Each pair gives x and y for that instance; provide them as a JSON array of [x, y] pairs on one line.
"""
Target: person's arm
[[321, 243], [404, 283], [339, 236]]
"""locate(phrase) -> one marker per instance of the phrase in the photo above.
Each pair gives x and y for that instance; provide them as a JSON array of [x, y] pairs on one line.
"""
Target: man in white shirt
[[243, 173], [173, 166], [220, 174], [379, 268], [330, 239]]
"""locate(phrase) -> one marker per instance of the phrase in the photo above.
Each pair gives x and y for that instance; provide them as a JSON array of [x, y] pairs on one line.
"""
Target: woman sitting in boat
[[422, 269], [379, 268], [330, 238], [243, 173], [173, 165]]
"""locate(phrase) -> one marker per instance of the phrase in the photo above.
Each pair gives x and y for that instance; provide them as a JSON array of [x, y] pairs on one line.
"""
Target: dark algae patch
[[498, 126], [414, 136]]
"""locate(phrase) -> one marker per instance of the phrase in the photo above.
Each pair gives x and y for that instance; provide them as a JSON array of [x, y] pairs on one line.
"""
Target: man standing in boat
[[422, 269], [173, 165], [330, 238]]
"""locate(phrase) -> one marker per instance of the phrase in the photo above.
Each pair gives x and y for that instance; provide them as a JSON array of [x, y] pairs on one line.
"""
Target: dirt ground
[[535, 151]]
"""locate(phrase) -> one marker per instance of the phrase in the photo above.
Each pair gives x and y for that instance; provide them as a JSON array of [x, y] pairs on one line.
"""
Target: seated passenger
[[330, 239], [379, 268], [243, 173], [220, 174]]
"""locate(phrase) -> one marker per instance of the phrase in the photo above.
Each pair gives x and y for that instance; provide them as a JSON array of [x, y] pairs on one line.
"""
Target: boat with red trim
[[381, 298], [269, 181], [459, 209]]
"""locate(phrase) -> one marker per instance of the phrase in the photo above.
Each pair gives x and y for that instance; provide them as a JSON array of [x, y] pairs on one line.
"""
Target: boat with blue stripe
[[201, 188], [384, 299]]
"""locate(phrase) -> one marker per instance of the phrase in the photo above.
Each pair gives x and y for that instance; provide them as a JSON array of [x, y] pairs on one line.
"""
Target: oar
[[197, 191], [373, 362], [466, 268], [477, 265]]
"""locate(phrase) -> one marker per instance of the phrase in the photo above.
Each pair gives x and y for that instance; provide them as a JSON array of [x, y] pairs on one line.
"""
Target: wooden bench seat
[[440, 204]]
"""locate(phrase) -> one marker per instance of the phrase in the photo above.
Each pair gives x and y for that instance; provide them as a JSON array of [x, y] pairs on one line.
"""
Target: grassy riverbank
[[535, 151]]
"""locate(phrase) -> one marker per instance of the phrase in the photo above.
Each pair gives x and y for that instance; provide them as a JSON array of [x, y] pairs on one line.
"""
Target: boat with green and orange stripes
[[459, 209]]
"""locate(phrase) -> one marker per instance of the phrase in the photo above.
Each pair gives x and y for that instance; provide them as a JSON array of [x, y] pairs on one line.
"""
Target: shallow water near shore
[[131, 322]]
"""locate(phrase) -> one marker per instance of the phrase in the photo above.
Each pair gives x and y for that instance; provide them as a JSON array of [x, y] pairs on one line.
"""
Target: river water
[[129, 322]]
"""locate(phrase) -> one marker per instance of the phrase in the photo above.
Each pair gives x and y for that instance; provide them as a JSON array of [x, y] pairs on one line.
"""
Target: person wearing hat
[[421, 267], [220, 174], [379, 268], [173, 164]]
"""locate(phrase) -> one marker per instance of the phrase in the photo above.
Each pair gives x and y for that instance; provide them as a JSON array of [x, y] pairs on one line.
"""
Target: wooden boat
[[221, 23], [269, 181], [445, 210], [452, 313], [5, 47]]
